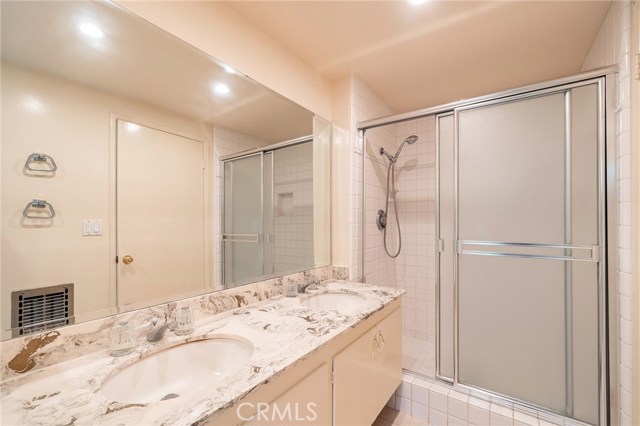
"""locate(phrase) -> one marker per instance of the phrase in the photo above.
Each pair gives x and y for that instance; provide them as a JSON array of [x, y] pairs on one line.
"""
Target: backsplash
[[34, 352]]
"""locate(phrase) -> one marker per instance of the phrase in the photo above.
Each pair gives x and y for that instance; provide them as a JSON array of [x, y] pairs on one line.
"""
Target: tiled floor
[[418, 356], [390, 417]]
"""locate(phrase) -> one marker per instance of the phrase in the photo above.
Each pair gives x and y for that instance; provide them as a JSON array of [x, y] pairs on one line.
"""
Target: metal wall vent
[[40, 309]]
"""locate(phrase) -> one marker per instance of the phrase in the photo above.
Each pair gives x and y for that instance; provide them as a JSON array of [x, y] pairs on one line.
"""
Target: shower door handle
[[589, 253], [242, 238]]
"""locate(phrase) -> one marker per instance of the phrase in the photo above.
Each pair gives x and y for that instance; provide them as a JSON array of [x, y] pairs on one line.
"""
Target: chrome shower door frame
[[599, 254], [608, 294], [243, 238]]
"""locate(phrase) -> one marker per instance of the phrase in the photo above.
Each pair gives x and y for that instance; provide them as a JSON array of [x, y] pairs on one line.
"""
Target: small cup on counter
[[123, 339], [184, 321]]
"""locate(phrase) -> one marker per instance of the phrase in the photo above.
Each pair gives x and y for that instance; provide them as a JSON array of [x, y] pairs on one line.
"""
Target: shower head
[[410, 140]]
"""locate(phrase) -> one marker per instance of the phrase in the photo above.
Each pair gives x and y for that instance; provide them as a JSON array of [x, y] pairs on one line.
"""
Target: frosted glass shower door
[[242, 234], [527, 265]]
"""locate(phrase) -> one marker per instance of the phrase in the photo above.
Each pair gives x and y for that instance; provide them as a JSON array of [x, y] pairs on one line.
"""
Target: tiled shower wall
[[414, 269], [379, 269], [613, 46], [415, 266], [293, 215]]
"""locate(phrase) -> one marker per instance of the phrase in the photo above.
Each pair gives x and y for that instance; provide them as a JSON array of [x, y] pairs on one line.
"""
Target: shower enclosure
[[520, 239], [268, 222]]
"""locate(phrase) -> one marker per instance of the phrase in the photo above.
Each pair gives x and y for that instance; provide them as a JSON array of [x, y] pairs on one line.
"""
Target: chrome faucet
[[311, 285], [157, 333]]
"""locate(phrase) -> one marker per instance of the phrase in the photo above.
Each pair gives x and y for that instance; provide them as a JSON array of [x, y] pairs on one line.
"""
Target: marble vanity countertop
[[282, 330]]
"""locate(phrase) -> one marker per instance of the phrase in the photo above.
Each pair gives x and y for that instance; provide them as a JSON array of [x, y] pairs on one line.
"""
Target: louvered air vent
[[41, 309]]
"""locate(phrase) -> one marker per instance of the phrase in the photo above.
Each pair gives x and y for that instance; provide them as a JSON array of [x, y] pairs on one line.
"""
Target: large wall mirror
[[138, 170]]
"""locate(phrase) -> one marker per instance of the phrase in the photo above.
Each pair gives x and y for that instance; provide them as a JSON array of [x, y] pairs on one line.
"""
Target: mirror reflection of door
[[160, 192]]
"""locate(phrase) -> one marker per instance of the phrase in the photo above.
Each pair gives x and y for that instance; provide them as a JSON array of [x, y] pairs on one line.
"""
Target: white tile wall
[[293, 183], [441, 405], [612, 46]]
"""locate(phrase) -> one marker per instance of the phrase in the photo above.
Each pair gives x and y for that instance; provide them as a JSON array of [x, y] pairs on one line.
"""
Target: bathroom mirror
[[113, 132]]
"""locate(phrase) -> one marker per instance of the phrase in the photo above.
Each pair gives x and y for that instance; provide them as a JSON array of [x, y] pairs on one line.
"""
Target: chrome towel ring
[[41, 158], [41, 205]]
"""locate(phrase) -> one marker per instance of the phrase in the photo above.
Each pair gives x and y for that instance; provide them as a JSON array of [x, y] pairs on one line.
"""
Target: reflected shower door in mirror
[[84, 114], [269, 213]]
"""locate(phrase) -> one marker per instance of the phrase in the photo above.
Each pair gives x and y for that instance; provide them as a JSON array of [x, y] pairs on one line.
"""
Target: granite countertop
[[282, 330]]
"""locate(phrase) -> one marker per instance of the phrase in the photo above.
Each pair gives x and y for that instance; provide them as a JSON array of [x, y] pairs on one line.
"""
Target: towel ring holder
[[39, 204], [41, 158]]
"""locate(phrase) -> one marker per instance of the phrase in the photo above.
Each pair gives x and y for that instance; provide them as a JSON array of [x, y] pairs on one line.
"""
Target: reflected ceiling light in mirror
[[221, 89], [133, 127], [33, 104], [416, 2], [90, 30], [228, 69]]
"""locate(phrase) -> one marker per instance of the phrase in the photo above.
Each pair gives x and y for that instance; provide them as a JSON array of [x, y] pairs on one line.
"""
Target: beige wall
[[219, 31], [340, 171], [72, 124]]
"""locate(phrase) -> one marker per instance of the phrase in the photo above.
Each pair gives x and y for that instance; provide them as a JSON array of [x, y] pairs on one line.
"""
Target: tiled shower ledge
[[435, 403]]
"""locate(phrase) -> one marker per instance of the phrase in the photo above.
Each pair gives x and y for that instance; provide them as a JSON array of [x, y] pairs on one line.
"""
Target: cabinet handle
[[374, 353], [380, 342]]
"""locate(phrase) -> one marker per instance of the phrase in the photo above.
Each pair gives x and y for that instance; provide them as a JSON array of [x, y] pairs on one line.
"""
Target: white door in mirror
[[160, 214]]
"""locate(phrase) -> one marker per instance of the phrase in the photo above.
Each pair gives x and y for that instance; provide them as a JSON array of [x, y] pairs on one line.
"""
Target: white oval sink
[[178, 370], [333, 301]]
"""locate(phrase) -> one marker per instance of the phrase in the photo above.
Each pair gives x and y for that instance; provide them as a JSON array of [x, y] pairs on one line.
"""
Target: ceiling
[[139, 61], [416, 56]]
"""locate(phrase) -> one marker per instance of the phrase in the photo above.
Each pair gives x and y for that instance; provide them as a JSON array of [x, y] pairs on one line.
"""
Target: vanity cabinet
[[308, 402], [349, 379], [367, 373]]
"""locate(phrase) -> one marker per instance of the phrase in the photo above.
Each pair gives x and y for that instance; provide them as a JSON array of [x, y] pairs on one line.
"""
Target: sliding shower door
[[269, 212], [529, 248], [243, 225]]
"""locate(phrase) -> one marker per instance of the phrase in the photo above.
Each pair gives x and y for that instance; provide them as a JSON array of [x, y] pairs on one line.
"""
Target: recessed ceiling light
[[33, 104], [221, 89], [417, 1], [90, 30], [228, 69]]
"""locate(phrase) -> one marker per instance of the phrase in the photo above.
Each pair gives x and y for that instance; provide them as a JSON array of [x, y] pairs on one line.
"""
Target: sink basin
[[178, 370], [334, 302]]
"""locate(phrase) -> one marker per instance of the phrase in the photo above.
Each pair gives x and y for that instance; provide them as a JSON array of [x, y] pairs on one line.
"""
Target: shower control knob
[[127, 259], [381, 220]]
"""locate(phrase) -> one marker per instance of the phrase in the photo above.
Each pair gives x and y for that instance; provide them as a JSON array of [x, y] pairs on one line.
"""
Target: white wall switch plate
[[91, 227]]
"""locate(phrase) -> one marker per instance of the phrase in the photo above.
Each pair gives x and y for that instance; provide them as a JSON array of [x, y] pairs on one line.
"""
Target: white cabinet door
[[355, 397], [389, 366], [307, 403], [367, 373]]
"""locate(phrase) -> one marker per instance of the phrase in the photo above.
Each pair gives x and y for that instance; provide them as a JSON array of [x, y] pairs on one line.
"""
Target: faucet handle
[[313, 284]]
